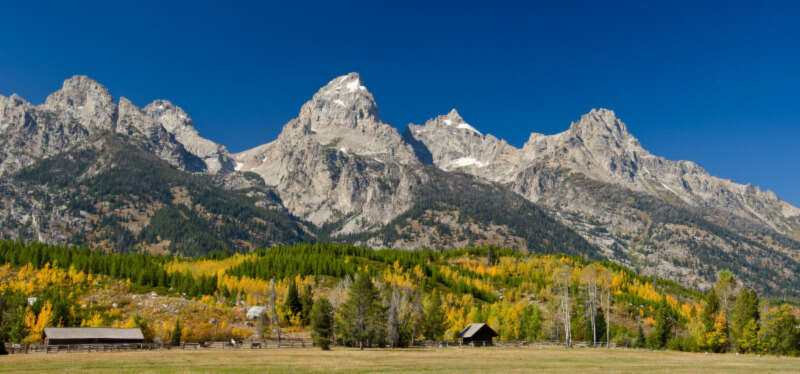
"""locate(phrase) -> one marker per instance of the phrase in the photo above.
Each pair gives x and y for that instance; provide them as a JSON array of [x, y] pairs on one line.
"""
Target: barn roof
[[473, 328], [93, 333]]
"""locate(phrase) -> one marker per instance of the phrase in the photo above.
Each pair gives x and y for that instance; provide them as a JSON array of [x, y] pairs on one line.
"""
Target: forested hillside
[[112, 195], [403, 296]]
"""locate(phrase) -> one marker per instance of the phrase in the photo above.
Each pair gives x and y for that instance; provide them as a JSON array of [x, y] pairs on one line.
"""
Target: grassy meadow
[[452, 360]]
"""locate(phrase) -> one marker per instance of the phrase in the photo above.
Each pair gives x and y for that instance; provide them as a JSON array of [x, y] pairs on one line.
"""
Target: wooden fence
[[267, 344]]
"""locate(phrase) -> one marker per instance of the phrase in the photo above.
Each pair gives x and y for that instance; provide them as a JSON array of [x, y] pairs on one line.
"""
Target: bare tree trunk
[[565, 303], [608, 316], [594, 314]]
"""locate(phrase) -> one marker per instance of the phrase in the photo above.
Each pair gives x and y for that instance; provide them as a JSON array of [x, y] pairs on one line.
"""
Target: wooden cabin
[[477, 334], [91, 335]]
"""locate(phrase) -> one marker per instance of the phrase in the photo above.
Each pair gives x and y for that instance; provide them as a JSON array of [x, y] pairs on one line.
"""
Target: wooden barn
[[91, 335], [477, 334]]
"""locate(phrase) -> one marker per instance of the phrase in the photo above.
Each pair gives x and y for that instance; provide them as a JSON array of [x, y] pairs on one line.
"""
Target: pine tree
[[745, 310], [640, 338], [434, 327], [361, 315], [293, 302], [322, 323], [665, 321], [307, 302], [176, 334], [2, 326]]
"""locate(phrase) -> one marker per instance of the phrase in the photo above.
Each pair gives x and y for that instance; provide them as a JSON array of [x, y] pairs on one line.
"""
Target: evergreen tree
[[665, 321], [293, 302], [434, 325], [307, 302], [745, 309], [361, 315], [640, 338], [2, 326], [177, 331], [322, 323], [711, 309]]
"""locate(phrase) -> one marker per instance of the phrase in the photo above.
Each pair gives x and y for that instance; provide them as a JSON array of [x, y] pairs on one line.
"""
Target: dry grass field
[[453, 360]]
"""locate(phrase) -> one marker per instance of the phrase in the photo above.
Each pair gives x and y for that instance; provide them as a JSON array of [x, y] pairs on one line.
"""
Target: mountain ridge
[[342, 173]]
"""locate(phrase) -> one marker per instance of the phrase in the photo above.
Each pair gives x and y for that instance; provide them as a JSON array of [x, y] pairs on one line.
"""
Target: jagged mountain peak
[[86, 100], [343, 102], [172, 116], [600, 122]]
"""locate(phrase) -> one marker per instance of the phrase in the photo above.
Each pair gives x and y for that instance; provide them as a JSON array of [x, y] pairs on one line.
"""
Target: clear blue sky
[[716, 84]]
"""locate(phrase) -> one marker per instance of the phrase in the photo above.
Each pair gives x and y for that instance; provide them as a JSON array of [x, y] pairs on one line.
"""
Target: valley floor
[[452, 360]]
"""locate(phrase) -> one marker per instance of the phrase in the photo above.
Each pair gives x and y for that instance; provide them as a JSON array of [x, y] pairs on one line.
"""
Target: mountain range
[[84, 169]]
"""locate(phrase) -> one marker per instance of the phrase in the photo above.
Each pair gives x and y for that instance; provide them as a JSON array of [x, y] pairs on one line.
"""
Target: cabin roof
[[93, 333], [473, 328]]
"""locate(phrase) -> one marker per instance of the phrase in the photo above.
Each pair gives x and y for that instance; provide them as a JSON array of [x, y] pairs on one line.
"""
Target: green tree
[[176, 334], [531, 322], [665, 321], [322, 323], [747, 340], [293, 302], [2, 325], [640, 338], [361, 316], [745, 310], [779, 332], [434, 325], [726, 283], [307, 302]]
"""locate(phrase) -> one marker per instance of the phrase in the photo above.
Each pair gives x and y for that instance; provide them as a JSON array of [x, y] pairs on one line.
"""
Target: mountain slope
[[111, 195], [667, 218]]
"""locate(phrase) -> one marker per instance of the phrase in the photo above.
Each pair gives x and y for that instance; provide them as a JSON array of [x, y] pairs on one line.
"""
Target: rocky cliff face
[[642, 210], [83, 108], [454, 145], [337, 163]]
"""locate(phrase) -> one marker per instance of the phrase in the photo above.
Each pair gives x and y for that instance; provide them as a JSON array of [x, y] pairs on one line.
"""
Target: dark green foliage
[[3, 336], [710, 310], [175, 337], [666, 318], [361, 319], [293, 302], [322, 323], [640, 338], [745, 309], [433, 327], [307, 302], [144, 270]]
